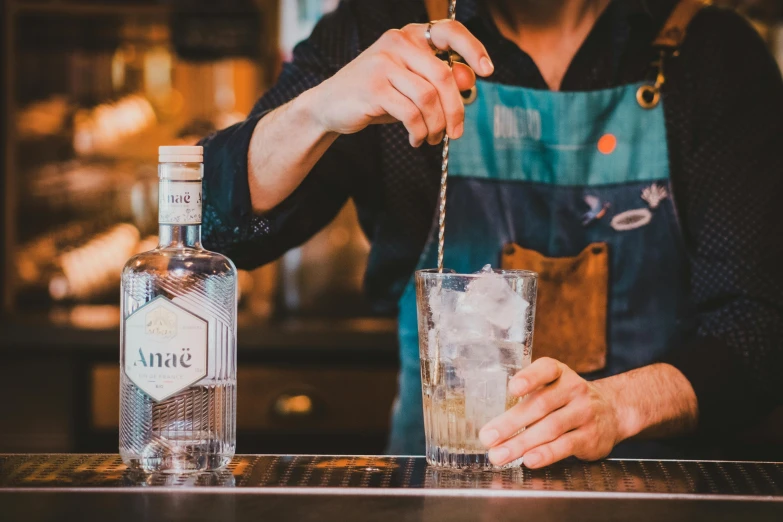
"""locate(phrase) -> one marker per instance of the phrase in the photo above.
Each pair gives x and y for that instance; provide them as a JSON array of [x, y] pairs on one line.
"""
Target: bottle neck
[[179, 204], [179, 236]]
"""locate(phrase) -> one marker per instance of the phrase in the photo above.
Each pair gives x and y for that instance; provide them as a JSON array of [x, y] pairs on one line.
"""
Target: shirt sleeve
[[229, 224], [731, 209]]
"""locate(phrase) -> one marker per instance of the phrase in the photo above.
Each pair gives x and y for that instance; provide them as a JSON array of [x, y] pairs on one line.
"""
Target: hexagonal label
[[165, 348], [160, 324]]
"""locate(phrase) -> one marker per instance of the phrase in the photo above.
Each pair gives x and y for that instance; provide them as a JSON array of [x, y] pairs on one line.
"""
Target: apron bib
[[574, 186]]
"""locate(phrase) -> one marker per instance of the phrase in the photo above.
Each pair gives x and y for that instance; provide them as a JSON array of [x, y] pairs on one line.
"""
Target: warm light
[[157, 72], [118, 70], [294, 405]]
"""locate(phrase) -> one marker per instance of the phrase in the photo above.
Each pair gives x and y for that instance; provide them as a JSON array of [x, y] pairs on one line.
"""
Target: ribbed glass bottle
[[178, 337]]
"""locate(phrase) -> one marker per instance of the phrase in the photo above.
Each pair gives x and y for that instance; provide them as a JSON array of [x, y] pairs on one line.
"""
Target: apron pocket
[[571, 305]]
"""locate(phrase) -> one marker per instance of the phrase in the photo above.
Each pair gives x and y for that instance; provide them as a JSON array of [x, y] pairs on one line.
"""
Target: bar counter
[[89, 487]]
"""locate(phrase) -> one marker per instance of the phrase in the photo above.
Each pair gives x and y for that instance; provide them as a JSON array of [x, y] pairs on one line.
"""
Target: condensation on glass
[[475, 333]]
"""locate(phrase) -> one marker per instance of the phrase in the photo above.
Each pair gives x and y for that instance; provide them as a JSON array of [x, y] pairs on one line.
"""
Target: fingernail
[[489, 437], [498, 456], [486, 65], [518, 387], [531, 459], [458, 130]]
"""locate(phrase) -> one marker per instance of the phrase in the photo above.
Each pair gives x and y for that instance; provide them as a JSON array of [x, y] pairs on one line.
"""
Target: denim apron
[[560, 181]]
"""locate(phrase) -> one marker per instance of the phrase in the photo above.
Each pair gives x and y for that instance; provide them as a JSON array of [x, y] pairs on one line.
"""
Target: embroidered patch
[[597, 210], [654, 194], [607, 144], [631, 219]]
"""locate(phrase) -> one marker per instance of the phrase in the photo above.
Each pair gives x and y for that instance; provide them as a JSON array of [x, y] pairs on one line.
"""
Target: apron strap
[[674, 30], [667, 43]]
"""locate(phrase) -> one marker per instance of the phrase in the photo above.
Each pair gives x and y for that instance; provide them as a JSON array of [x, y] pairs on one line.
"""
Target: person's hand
[[563, 415], [399, 78]]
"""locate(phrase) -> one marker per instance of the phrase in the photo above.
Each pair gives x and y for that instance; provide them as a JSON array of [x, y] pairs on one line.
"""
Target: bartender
[[627, 150]]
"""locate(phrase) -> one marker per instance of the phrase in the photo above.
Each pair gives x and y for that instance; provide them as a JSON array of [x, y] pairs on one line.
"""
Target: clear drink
[[178, 338], [475, 333]]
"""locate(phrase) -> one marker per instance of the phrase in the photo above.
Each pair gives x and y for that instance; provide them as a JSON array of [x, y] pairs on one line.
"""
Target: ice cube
[[485, 393], [432, 341], [488, 309], [486, 269], [455, 322], [491, 297], [442, 301], [466, 325]]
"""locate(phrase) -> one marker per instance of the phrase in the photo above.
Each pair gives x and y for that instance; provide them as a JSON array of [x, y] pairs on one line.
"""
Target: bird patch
[[597, 209]]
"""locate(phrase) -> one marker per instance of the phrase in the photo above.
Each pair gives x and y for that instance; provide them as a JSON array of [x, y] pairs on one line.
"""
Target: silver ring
[[428, 36]]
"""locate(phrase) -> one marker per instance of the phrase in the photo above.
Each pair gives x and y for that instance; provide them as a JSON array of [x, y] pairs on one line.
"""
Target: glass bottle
[[178, 336]]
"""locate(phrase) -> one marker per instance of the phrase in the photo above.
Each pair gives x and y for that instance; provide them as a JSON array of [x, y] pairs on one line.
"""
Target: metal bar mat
[[249, 471]]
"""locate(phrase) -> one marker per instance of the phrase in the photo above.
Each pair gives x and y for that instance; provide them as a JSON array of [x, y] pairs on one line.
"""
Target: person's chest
[[618, 51]]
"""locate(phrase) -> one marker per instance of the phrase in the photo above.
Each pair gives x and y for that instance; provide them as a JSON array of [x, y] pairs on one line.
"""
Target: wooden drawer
[[283, 399], [318, 399]]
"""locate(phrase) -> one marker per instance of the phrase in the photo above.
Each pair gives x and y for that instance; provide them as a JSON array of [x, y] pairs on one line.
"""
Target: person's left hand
[[563, 415]]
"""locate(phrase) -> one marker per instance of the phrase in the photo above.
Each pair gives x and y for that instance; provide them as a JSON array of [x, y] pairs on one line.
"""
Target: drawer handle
[[300, 405]]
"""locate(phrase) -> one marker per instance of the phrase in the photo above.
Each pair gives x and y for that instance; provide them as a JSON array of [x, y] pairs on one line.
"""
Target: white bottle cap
[[180, 154]]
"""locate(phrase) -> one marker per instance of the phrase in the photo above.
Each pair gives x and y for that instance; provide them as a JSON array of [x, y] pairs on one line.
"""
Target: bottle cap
[[180, 154]]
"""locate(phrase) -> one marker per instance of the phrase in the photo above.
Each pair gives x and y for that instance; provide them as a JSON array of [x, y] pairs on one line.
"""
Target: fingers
[[542, 432], [425, 97], [559, 449], [464, 76], [403, 109], [409, 47], [359, 93], [439, 75], [452, 35], [432, 87], [540, 373], [528, 411]]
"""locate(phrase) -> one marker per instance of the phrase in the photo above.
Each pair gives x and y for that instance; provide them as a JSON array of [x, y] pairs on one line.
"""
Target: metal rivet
[[470, 96], [648, 96]]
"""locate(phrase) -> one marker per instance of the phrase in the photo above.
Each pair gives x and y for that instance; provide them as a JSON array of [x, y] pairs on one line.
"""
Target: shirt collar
[[469, 9], [599, 58]]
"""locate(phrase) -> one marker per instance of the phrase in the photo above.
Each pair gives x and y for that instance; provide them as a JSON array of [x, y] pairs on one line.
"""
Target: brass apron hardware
[[470, 96], [648, 95], [668, 41]]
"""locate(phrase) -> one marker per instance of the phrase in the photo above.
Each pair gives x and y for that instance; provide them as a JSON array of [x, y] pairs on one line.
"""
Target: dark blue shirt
[[723, 104]]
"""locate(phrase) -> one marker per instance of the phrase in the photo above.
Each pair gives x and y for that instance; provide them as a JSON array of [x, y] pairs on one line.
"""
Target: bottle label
[[179, 202], [165, 348]]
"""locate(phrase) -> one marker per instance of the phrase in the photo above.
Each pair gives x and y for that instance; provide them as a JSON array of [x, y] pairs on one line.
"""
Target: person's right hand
[[399, 78]]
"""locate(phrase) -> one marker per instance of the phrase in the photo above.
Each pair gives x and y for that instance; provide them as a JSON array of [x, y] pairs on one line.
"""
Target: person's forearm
[[652, 401], [285, 146]]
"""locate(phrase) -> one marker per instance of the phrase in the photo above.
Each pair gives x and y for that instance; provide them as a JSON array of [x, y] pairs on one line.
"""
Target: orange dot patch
[[607, 144]]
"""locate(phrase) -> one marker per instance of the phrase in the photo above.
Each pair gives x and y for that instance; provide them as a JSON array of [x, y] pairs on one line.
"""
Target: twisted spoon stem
[[444, 175], [444, 171]]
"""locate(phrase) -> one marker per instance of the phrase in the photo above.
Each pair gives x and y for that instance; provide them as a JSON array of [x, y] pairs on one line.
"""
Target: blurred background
[[89, 90]]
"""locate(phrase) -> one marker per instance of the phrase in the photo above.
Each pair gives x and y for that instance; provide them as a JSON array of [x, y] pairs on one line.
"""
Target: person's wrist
[[310, 110], [627, 418]]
